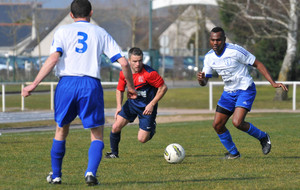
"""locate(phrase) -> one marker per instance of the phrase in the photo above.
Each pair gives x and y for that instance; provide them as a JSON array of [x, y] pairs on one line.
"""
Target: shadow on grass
[[183, 181], [202, 155], [291, 157], [194, 156]]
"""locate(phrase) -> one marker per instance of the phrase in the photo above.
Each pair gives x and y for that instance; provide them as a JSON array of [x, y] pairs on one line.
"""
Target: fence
[[294, 83], [51, 84], [210, 84]]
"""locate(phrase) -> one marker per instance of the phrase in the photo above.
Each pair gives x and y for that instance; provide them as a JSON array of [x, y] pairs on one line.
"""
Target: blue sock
[[95, 156], [255, 132], [115, 139], [226, 140], [57, 154]]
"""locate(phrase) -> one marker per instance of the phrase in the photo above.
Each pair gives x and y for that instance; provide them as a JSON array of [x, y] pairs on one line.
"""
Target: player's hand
[[148, 109], [131, 94], [27, 90], [200, 76], [280, 85], [117, 112]]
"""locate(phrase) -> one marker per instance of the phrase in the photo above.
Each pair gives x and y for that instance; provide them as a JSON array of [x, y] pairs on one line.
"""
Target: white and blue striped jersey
[[231, 65], [81, 44]]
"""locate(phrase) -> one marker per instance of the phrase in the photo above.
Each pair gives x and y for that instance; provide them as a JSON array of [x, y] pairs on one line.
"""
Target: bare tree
[[271, 19], [131, 12]]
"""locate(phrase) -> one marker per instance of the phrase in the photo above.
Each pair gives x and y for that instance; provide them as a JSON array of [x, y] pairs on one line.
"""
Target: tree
[[131, 12], [269, 19]]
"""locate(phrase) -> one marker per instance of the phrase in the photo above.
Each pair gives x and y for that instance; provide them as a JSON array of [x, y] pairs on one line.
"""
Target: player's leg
[[224, 110], [90, 109], [94, 155], [57, 153], [221, 118], [144, 136], [249, 128], [243, 106], [147, 125], [115, 136], [126, 115], [238, 119], [65, 113]]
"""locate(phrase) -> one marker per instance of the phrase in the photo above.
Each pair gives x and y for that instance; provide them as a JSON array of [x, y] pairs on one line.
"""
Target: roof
[[12, 23], [47, 23]]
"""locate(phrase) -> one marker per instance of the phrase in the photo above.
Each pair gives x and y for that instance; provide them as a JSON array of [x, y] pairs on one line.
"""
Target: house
[[184, 27]]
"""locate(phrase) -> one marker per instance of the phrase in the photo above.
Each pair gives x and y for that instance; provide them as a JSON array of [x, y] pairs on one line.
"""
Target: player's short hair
[[135, 51], [218, 29], [81, 8]]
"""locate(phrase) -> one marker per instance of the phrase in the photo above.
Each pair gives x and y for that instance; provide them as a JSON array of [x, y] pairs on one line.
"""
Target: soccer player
[[75, 52], [150, 88], [230, 61]]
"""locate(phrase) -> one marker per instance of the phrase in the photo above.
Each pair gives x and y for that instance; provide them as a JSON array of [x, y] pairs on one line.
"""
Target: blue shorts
[[238, 98], [82, 96], [146, 122]]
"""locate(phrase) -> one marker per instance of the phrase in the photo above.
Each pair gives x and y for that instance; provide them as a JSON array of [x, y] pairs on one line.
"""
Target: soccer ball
[[174, 153]]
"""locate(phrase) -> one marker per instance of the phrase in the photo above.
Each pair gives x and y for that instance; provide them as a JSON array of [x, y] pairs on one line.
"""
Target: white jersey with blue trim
[[231, 65], [81, 44]]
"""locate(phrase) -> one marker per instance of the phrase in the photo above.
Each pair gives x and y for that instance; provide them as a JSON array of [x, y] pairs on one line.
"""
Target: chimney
[[33, 28]]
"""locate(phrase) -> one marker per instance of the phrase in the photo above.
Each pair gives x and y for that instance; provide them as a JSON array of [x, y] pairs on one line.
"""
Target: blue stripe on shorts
[[82, 96], [238, 98], [146, 122]]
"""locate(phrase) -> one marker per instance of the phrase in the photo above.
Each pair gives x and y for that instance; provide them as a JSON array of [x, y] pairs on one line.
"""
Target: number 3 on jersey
[[82, 41]]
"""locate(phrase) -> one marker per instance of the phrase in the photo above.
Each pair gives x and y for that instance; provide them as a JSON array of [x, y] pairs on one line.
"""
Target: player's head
[[217, 39], [81, 8], [135, 51], [218, 29], [135, 58]]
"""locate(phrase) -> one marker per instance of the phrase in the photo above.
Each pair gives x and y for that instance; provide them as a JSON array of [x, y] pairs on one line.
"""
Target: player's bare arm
[[161, 91], [263, 70], [201, 78], [45, 70], [119, 100], [132, 94]]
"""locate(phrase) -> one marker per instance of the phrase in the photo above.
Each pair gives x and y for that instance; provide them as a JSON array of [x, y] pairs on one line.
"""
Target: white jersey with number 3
[[231, 65], [81, 45]]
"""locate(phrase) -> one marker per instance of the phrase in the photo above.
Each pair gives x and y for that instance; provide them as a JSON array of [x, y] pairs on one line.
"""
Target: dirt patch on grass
[[171, 118]]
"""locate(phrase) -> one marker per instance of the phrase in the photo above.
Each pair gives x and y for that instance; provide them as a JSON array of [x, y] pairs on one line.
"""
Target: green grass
[[25, 158], [189, 98]]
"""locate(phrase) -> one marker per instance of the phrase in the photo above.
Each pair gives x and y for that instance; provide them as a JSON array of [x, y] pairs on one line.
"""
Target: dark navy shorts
[[82, 96], [238, 98], [146, 122]]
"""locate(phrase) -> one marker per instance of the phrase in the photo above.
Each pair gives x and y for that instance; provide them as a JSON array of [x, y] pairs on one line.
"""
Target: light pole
[[150, 24]]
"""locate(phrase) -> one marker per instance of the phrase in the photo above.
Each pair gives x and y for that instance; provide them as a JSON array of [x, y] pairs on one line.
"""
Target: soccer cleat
[[266, 144], [111, 155], [90, 179], [56, 180], [229, 156]]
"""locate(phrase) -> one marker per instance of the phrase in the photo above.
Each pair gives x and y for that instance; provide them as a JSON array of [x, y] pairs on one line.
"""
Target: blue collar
[[81, 21]]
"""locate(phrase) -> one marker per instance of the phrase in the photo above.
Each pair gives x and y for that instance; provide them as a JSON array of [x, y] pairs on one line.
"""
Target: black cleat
[[56, 180], [266, 144], [90, 179], [111, 155], [229, 156]]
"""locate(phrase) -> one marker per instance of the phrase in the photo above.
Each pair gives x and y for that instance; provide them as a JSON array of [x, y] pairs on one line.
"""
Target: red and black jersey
[[145, 82]]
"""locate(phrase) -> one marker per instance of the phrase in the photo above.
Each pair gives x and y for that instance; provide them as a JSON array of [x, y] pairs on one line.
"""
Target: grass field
[[25, 158]]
